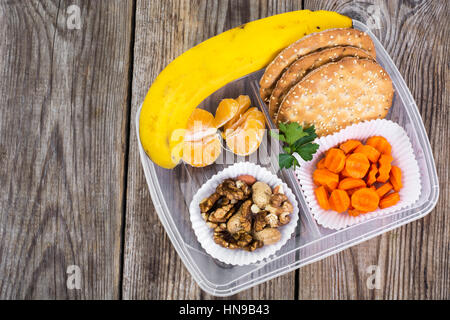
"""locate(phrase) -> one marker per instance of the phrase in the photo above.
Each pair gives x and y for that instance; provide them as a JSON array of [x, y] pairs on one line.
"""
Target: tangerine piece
[[202, 153], [389, 200], [339, 200], [395, 177], [249, 114], [356, 165], [324, 177], [371, 153], [335, 160], [380, 143], [244, 104], [246, 135], [227, 110], [322, 197], [200, 125], [365, 199], [349, 145]]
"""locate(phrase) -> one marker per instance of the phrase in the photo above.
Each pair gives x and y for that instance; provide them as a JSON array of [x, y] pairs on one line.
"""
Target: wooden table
[[74, 192]]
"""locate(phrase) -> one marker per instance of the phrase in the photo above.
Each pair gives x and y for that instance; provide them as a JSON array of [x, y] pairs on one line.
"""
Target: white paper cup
[[403, 155], [205, 234]]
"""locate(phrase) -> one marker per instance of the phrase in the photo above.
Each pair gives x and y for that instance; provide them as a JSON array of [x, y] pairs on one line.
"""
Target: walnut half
[[238, 240], [251, 220]]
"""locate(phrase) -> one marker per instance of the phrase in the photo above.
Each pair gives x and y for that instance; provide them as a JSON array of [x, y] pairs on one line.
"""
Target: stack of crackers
[[329, 79]]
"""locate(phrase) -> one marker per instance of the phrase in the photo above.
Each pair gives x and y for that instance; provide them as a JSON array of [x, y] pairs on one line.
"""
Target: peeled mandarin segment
[[203, 152], [335, 160], [395, 177], [372, 175], [380, 143], [339, 200], [250, 113], [371, 153], [322, 197], [324, 177], [384, 168], [349, 145], [351, 183], [226, 110], [200, 124], [244, 104], [321, 164], [246, 138], [245, 142], [385, 188], [389, 200], [365, 199], [356, 165]]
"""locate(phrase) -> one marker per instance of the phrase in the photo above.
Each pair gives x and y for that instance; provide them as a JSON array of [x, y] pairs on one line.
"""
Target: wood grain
[[413, 259], [74, 192], [165, 29], [63, 129]]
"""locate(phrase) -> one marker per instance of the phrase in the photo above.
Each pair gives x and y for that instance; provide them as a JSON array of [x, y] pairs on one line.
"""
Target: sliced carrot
[[321, 164], [365, 199], [384, 168], [389, 200], [395, 177], [385, 188], [372, 175], [350, 207], [335, 160], [322, 197], [324, 177], [357, 165], [380, 143], [344, 173], [339, 200], [355, 212], [351, 183], [352, 191], [349, 145], [371, 153]]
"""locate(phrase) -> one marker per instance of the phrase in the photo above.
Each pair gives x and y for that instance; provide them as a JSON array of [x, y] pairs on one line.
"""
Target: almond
[[248, 179]]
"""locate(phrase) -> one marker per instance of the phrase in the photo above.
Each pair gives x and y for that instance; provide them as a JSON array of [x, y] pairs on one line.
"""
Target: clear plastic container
[[173, 190]]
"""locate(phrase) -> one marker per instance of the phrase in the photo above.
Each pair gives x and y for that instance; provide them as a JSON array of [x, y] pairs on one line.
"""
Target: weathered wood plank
[[413, 259], [164, 30], [63, 129]]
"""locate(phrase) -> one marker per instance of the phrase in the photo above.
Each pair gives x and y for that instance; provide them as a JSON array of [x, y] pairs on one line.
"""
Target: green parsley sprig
[[297, 140]]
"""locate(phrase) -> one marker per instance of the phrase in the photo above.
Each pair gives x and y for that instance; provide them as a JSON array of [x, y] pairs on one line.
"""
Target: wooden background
[[72, 187]]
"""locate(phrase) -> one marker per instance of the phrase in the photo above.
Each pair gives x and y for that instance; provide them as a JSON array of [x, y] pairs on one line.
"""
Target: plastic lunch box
[[173, 190]]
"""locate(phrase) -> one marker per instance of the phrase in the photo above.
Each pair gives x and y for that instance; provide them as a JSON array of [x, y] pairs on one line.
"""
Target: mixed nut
[[246, 213]]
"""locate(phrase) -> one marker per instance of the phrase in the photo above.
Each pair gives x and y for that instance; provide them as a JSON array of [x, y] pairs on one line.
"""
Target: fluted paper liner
[[205, 234], [403, 155]]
